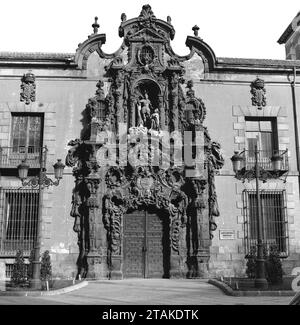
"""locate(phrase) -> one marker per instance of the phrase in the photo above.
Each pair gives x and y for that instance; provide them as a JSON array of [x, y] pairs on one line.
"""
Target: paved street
[[145, 292]]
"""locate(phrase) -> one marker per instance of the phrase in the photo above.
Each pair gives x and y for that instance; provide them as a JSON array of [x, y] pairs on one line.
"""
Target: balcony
[[271, 164], [266, 159], [11, 157]]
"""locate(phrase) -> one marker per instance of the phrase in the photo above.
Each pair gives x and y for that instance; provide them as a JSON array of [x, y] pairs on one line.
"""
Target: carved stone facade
[[146, 98]]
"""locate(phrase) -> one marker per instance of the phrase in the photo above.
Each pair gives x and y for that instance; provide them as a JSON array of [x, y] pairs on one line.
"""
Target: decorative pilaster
[[174, 101], [199, 230], [94, 222], [162, 112]]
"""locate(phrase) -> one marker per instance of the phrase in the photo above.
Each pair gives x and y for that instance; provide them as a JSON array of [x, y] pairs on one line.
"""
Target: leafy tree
[[46, 268], [19, 274], [274, 266]]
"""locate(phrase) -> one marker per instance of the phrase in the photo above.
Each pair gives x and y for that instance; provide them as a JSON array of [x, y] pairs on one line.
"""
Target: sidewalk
[[146, 292]]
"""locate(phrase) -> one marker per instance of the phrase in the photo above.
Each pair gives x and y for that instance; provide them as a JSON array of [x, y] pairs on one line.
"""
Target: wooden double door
[[146, 245]]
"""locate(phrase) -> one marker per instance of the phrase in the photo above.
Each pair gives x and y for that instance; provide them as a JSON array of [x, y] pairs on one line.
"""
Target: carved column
[[177, 210], [175, 258], [94, 222], [161, 112], [200, 232], [117, 92], [113, 221], [132, 112], [174, 101]]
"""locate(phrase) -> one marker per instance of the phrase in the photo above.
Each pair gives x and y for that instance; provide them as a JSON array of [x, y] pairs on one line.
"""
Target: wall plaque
[[227, 234]]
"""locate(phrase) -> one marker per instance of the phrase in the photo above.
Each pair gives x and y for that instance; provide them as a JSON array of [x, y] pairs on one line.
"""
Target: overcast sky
[[233, 28]]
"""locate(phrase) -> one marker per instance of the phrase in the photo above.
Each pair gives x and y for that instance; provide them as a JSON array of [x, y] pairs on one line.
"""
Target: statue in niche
[[144, 111], [155, 120]]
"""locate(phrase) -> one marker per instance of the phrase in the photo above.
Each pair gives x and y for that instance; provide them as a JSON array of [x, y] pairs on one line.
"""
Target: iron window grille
[[274, 220], [9, 270], [18, 220]]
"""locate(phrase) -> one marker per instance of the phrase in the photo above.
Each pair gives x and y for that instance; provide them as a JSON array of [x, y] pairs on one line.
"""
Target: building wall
[[62, 96]]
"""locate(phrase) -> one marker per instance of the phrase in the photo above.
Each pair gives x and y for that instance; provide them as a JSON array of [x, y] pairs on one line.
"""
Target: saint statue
[[144, 111], [155, 120]]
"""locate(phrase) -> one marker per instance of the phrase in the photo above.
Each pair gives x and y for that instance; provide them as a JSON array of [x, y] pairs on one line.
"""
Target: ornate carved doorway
[[146, 245]]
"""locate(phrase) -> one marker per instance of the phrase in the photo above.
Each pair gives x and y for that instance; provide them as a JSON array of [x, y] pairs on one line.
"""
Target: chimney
[[291, 39]]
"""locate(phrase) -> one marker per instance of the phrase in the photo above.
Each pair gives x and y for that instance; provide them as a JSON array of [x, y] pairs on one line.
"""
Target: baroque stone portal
[[144, 200]]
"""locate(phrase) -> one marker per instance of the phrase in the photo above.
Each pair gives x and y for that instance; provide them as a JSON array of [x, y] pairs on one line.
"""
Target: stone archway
[[144, 189]]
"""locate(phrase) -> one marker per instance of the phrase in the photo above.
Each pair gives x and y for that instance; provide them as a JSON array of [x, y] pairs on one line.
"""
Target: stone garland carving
[[181, 107], [215, 161], [112, 220], [258, 92], [28, 87]]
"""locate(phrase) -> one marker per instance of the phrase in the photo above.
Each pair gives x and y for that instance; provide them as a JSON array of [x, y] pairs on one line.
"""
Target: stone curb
[[44, 293], [239, 293]]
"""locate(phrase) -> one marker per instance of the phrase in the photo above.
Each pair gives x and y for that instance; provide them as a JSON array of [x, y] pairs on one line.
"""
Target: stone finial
[[196, 30], [123, 17], [96, 26], [169, 19]]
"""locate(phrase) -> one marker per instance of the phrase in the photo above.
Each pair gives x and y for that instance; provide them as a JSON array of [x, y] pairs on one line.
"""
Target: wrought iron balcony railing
[[11, 157], [266, 160]]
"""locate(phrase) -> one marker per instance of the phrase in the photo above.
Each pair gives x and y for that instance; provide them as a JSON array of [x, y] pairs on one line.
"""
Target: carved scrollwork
[[112, 219], [215, 162], [114, 177], [146, 17]]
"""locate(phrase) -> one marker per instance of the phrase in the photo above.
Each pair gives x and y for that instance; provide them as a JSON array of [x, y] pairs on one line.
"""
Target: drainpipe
[[293, 84]]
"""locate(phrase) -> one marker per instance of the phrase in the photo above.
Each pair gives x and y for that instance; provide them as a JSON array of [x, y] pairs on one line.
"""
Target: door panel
[[155, 258], [134, 240], [143, 245]]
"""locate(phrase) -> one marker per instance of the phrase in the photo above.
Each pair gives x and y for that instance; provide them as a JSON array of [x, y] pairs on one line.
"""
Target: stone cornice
[[37, 59], [214, 64]]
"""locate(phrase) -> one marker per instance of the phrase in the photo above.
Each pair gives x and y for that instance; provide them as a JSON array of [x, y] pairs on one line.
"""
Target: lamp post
[[257, 173], [41, 181]]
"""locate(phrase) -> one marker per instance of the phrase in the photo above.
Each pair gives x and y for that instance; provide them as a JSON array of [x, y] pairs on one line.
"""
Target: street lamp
[[242, 172], [41, 181], [254, 173]]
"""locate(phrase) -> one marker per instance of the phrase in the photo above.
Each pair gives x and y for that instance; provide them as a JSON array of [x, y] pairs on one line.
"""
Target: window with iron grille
[[274, 220], [9, 270], [18, 219], [26, 133]]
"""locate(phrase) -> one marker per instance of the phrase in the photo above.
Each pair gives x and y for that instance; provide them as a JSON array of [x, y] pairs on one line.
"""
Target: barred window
[[274, 220], [18, 219]]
